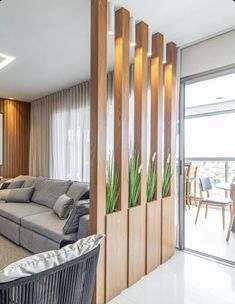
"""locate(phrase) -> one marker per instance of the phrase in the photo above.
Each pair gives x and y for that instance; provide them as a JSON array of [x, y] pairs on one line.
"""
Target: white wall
[[210, 54]]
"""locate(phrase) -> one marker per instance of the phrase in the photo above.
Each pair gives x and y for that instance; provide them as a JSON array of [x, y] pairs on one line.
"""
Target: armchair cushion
[[43, 261]]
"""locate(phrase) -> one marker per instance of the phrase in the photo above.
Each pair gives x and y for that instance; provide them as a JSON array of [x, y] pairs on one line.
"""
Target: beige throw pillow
[[62, 206], [47, 260], [22, 195], [4, 193]]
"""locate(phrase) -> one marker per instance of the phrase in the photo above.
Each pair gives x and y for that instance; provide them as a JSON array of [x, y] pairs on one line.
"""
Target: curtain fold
[[60, 133]]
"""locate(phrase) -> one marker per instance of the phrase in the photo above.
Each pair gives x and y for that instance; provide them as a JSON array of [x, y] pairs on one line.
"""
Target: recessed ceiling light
[[11, 98], [5, 60]]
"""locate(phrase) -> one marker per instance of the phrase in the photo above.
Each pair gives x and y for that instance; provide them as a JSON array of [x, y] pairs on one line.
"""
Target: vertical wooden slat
[[168, 203], [116, 223], [141, 95], [16, 131], [98, 134], [153, 248], [121, 103], [156, 136], [170, 87], [137, 215]]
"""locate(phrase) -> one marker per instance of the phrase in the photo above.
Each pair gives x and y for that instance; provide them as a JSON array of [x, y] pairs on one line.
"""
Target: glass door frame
[[181, 132]]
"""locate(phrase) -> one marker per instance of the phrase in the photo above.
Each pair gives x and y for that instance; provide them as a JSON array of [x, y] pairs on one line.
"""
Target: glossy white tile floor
[[208, 235], [185, 279]]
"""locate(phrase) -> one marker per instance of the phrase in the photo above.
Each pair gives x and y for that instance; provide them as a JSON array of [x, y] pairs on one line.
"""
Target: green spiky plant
[[134, 178], [112, 187], [152, 178], [167, 176]]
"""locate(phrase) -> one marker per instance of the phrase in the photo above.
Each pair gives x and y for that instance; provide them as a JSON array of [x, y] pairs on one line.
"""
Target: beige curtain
[[60, 133], [40, 137]]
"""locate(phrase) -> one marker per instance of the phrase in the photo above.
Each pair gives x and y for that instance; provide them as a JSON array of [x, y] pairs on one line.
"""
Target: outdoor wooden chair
[[205, 187]]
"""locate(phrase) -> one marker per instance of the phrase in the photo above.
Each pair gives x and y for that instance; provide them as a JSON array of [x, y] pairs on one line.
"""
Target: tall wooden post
[[168, 203], [153, 248], [98, 134], [116, 223], [137, 215]]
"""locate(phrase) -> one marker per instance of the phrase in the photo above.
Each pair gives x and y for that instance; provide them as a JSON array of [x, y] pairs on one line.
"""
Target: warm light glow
[[164, 60], [132, 31], [6, 61], [111, 18], [11, 98]]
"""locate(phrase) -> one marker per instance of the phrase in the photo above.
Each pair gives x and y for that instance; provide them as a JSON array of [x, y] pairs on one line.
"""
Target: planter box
[[168, 228], [153, 235], [116, 253], [136, 243]]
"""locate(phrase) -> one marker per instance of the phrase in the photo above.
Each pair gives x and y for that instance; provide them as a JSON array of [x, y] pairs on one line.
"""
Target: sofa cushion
[[15, 211], [10, 230], [22, 195], [63, 206], [48, 191], [22, 178], [77, 190], [16, 184], [49, 225], [29, 182]]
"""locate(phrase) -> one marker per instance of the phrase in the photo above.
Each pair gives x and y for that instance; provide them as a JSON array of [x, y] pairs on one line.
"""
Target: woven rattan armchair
[[70, 283]]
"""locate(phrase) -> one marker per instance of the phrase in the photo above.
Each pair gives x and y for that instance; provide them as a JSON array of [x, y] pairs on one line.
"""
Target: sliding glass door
[[207, 150]]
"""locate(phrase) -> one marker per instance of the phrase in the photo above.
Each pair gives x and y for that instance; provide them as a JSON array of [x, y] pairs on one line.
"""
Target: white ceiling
[[50, 39]]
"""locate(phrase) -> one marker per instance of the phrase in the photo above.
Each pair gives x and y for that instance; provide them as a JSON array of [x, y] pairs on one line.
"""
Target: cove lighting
[[164, 52], [111, 18], [5, 60], [132, 31]]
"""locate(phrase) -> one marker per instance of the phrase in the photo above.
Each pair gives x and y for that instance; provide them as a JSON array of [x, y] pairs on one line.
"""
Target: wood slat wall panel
[[16, 138]]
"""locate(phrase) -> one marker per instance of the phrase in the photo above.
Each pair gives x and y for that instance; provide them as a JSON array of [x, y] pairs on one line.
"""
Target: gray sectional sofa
[[33, 225]]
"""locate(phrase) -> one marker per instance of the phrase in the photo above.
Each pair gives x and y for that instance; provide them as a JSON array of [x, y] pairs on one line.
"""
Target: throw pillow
[[77, 190], [4, 193], [43, 261], [62, 206], [4, 185], [22, 195], [85, 196], [76, 213], [16, 185]]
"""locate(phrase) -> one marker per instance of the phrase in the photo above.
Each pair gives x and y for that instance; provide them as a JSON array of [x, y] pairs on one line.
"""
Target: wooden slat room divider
[[138, 239]]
